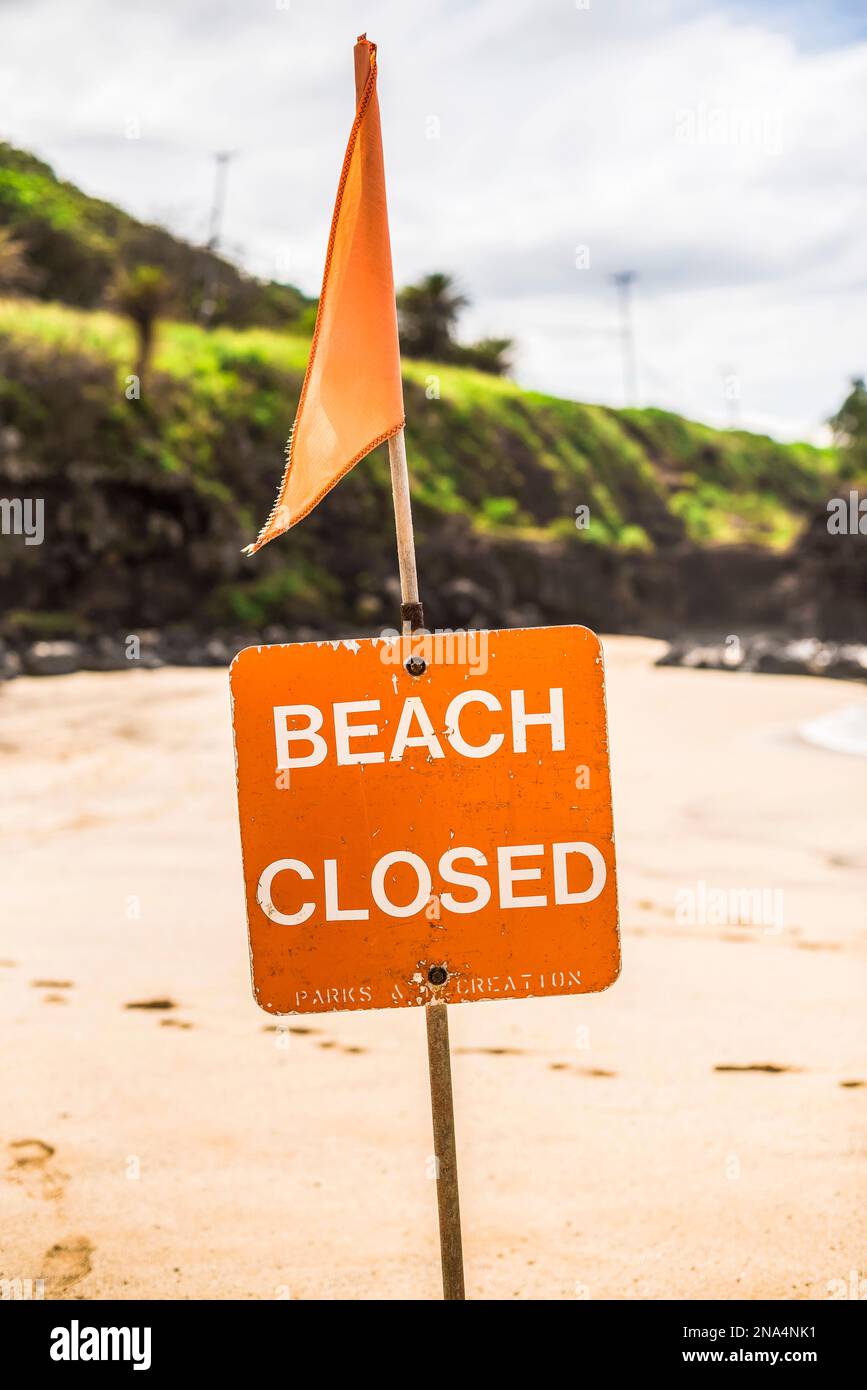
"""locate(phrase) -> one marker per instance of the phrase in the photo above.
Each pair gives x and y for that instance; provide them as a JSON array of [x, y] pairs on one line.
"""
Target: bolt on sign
[[441, 834]]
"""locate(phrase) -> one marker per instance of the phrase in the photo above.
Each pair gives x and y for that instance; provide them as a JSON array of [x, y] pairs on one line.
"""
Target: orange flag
[[352, 398]]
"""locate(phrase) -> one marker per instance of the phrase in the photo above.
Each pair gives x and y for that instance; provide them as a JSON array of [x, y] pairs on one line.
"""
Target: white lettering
[[562, 896], [263, 892], [333, 912], [509, 875], [464, 880], [453, 732], [414, 709], [377, 883], [284, 735], [343, 732], [521, 720]]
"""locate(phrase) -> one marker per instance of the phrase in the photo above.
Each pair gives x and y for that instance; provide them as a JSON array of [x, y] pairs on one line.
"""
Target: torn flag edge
[[263, 538]]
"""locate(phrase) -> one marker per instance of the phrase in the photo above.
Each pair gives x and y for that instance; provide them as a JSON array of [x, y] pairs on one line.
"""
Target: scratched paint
[[391, 823]]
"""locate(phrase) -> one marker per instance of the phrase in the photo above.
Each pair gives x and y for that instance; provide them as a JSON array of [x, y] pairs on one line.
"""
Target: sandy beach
[[695, 1131]]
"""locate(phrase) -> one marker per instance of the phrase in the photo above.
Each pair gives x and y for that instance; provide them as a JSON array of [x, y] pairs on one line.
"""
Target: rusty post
[[442, 1110]]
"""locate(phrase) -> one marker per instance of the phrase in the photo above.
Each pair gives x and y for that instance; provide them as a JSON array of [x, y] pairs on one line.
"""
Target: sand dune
[[696, 1131]]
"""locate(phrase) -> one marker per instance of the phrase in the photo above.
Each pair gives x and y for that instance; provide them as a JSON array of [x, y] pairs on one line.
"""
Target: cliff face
[[148, 502], [827, 576]]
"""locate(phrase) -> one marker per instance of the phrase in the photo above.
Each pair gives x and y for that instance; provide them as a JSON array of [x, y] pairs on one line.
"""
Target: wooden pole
[[442, 1109], [405, 540], [438, 1054]]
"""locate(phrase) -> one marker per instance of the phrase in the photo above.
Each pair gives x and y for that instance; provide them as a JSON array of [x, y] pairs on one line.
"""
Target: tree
[[142, 294], [849, 425], [15, 272], [428, 314], [487, 355]]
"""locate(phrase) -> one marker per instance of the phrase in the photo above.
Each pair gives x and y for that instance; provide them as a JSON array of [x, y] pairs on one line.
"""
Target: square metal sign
[[440, 831]]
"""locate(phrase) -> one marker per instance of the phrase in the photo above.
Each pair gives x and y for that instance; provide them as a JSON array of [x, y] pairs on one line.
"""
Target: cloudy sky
[[533, 148]]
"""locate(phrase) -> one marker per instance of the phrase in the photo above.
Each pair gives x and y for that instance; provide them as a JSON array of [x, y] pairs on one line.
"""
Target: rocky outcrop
[[803, 656]]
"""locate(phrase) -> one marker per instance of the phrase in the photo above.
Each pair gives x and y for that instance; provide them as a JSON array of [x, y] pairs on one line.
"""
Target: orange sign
[[441, 830]]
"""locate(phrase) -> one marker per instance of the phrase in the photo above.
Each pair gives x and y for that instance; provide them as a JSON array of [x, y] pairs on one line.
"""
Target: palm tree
[[142, 294], [428, 313], [15, 273]]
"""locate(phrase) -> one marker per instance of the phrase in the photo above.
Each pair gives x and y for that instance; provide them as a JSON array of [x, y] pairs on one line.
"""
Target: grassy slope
[[75, 245], [647, 475], [484, 454]]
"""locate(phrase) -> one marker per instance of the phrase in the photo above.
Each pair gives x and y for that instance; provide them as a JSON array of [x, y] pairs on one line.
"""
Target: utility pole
[[218, 203], [731, 384], [623, 280]]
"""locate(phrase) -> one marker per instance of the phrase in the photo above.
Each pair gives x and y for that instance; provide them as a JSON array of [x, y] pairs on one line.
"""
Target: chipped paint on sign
[[397, 827]]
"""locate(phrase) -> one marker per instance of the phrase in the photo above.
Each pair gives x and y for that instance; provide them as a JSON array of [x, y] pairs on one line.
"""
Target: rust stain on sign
[[445, 834]]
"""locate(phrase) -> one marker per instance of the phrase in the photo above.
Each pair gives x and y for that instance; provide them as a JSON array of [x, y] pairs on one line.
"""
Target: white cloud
[[699, 146]]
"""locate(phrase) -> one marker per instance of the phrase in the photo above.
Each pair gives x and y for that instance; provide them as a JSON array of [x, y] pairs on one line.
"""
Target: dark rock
[[772, 655], [468, 603], [104, 653], [217, 653], [52, 658], [10, 663], [527, 616]]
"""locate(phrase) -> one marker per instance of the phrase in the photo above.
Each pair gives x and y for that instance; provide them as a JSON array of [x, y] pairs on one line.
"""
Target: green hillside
[[149, 501], [154, 498], [75, 246]]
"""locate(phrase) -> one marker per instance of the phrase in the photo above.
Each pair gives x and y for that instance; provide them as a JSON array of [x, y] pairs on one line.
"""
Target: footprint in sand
[[771, 1067], [65, 1264], [278, 1028], [53, 986], [580, 1071], [490, 1051], [32, 1167]]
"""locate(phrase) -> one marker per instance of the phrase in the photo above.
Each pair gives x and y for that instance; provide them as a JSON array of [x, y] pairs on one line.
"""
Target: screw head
[[438, 974], [416, 665]]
